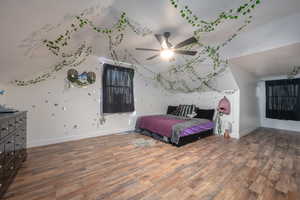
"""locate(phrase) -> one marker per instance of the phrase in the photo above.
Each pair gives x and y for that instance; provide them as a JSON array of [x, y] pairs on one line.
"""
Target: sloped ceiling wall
[[274, 34], [272, 62], [25, 24]]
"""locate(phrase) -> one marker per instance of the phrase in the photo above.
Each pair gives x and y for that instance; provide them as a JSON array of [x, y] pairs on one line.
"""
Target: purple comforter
[[172, 126], [161, 125]]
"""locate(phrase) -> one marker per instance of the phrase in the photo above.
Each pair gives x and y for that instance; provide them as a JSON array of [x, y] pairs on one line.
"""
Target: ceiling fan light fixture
[[167, 54], [167, 50]]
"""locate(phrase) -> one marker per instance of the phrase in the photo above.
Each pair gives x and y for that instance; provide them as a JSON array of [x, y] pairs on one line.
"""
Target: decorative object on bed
[[117, 84], [223, 108], [173, 127], [192, 115], [171, 109], [184, 110], [2, 92], [283, 99], [81, 80], [205, 114]]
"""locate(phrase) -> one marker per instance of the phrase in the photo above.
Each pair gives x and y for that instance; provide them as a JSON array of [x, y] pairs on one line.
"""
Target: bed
[[177, 130]]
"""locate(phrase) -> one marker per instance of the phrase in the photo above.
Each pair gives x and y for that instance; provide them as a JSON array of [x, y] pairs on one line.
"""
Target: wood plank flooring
[[262, 165]]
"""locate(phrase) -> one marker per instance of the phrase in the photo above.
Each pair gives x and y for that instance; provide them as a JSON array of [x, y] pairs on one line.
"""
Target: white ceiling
[[274, 62], [22, 22]]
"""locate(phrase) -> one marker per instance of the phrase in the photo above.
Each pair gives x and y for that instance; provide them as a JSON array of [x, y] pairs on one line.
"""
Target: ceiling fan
[[167, 50]]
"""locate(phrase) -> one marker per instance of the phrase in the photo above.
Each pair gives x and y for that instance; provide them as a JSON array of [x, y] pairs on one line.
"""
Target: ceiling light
[[167, 54]]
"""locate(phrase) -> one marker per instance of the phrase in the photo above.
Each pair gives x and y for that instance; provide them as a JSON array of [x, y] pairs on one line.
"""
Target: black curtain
[[283, 99], [117, 83]]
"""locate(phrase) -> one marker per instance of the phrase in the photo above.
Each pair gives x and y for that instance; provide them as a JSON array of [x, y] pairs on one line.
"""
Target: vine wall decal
[[170, 79]]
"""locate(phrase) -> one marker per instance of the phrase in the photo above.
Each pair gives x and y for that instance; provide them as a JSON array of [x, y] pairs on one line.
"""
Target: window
[[117, 83], [283, 99]]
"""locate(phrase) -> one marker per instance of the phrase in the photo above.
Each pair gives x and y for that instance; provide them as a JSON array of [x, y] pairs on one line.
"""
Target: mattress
[[172, 126]]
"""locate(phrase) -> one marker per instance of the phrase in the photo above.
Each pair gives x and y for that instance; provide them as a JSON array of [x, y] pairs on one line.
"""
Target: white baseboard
[[284, 128], [247, 131], [44, 142]]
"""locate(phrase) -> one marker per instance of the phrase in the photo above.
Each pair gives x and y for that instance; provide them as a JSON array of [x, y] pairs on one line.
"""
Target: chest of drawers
[[12, 147]]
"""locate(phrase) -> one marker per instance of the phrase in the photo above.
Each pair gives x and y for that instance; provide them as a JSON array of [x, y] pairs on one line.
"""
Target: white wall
[[273, 123], [57, 113], [249, 114], [2, 97]]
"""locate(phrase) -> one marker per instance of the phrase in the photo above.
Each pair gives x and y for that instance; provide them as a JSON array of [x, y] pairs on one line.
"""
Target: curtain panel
[[117, 87], [283, 99]]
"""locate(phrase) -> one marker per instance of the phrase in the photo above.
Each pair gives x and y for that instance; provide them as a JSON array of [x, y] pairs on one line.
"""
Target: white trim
[[282, 128], [44, 142], [104, 60], [247, 131], [271, 78]]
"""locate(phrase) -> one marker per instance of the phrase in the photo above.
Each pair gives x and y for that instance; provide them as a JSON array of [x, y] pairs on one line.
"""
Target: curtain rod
[[104, 60]]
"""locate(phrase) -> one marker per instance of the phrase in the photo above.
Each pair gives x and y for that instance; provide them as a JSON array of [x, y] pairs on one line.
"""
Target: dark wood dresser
[[12, 147]]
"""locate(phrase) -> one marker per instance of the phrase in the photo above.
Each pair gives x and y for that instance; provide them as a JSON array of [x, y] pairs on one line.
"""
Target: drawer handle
[[0, 166], [4, 129]]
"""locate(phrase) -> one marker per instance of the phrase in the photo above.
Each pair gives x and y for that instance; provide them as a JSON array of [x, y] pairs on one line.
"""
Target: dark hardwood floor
[[262, 165]]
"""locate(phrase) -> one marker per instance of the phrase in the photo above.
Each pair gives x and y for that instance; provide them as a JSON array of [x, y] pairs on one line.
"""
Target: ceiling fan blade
[[168, 43], [186, 42], [184, 52], [145, 49], [152, 57], [159, 38]]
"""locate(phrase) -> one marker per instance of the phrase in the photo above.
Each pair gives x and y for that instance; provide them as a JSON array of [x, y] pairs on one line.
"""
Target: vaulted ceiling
[[273, 62], [25, 23]]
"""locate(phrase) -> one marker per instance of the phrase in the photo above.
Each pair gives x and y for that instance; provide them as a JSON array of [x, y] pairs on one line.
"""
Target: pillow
[[184, 110], [192, 115], [171, 109], [205, 114]]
